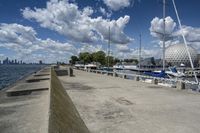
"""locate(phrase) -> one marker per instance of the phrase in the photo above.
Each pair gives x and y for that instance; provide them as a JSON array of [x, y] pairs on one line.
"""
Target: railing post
[[107, 73], [137, 78], [70, 71], [180, 85], [155, 81], [124, 76], [114, 74]]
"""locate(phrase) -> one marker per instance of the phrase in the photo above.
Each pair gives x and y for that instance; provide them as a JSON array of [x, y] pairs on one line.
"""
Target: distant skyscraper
[[15, 61], [6, 61], [40, 62]]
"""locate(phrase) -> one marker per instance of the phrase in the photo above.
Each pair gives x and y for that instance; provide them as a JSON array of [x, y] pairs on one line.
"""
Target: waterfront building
[[176, 55]]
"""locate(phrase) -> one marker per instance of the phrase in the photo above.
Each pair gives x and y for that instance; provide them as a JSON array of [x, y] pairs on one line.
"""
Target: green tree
[[74, 59], [111, 61], [100, 57], [116, 60], [85, 57]]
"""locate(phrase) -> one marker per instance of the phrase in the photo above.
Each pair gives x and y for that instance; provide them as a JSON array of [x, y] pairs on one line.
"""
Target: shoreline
[[20, 80]]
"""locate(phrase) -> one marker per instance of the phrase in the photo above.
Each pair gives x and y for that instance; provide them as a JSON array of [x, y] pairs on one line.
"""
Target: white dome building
[[177, 54]]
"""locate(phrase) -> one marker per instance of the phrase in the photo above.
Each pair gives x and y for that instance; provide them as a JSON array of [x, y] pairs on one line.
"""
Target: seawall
[[39, 104], [64, 118]]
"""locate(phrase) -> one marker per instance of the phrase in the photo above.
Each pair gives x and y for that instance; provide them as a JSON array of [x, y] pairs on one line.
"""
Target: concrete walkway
[[115, 105], [25, 112]]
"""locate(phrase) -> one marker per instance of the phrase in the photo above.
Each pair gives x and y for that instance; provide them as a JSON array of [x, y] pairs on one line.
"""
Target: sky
[[54, 30]]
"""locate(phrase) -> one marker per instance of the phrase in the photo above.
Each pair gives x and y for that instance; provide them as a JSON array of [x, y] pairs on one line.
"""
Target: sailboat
[[162, 73], [172, 71]]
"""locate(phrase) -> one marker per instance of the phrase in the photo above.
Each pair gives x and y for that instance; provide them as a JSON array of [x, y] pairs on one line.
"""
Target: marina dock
[[85, 102]]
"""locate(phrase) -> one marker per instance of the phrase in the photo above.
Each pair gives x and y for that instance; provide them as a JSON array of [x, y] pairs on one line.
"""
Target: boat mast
[[140, 52], [184, 39], [164, 34], [108, 51]]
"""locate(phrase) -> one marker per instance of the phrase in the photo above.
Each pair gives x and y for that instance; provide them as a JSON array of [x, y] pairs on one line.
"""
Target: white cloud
[[67, 19], [157, 27], [191, 34], [117, 4], [23, 40], [17, 33], [104, 12], [90, 48], [123, 48]]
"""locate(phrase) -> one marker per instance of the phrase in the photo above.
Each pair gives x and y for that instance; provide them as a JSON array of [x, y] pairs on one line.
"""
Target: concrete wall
[[62, 72], [64, 118]]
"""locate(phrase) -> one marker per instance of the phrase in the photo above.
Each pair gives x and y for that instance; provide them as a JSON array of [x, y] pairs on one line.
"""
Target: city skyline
[[8, 61], [54, 30]]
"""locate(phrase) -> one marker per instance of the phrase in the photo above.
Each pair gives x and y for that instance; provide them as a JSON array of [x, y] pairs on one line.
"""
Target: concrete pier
[[40, 106], [24, 107], [90, 102], [114, 105]]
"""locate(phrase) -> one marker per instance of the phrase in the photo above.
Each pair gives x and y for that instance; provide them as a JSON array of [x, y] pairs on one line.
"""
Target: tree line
[[98, 56]]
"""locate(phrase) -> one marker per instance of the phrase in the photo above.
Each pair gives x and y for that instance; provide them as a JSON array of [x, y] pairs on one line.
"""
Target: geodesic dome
[[177, 54]]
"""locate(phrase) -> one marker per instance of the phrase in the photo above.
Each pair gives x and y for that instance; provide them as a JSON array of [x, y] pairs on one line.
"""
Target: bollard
[[124, 76], [180, 85], [137, 78], [70, 70], [107, 73], [155, 81], [114, 74]]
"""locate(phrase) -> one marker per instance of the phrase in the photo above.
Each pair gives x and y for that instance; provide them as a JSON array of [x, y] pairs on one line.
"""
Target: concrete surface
[[115, 105], [41, 74], [39, 109], [37, 78], [27, 88], [61, 72], [25, 113], [64, 118]]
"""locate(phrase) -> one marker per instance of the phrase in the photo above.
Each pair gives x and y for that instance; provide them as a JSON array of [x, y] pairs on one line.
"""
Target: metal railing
[[171, 81]]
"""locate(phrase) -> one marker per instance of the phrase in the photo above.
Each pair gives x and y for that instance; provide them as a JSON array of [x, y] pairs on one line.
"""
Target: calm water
[[9, 74]]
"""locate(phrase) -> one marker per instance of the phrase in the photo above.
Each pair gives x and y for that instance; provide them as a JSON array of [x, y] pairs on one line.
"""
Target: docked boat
[[90, 66], [79, 65], [171, 73], [125, 67], [93, 65]]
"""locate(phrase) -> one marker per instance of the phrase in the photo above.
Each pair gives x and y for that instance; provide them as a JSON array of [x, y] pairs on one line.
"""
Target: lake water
[[9, 74]]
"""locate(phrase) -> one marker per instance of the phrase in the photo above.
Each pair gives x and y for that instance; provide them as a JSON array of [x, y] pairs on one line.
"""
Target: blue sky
[[56, 36]]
